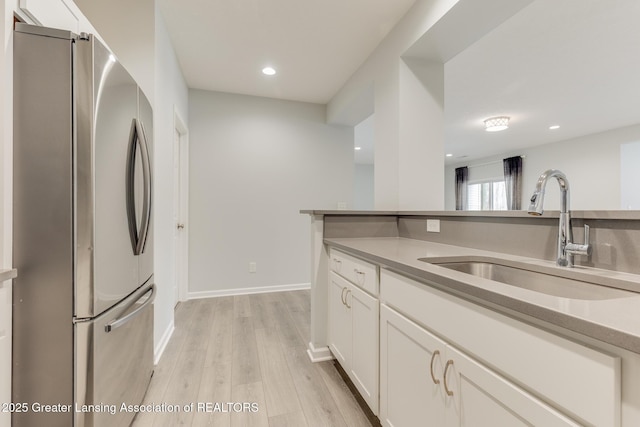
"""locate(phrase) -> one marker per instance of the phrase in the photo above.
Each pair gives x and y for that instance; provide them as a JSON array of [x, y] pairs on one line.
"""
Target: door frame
[[181, 253]]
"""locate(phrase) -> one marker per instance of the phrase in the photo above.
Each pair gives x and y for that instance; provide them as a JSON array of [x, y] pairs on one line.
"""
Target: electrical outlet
[[433, 225], [252, 267]]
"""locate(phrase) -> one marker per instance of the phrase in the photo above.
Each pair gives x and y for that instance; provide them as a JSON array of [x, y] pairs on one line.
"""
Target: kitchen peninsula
[[549, 358]]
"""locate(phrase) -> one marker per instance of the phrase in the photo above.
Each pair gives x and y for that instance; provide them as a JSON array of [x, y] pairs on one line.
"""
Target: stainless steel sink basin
[[532, 280]]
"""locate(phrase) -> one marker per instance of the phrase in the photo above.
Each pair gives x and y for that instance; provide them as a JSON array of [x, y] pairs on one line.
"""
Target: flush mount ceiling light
[[554, 127], [495, 124], [269, 71], [448, 155]]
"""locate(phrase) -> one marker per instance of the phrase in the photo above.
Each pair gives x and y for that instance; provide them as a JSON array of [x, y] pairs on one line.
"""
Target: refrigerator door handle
[[137, 138], [121, 321], [146, 172], [130, 187]]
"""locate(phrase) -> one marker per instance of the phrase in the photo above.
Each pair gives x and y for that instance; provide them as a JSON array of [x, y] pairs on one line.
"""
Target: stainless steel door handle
[[115, 324], [130, 186], [146, 173], [137, 138]]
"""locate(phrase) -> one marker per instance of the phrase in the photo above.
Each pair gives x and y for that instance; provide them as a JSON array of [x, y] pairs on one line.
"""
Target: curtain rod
[[489, 163]]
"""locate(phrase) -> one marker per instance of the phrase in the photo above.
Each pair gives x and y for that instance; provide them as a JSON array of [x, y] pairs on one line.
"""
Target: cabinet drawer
[[583, 382], [361, 273]]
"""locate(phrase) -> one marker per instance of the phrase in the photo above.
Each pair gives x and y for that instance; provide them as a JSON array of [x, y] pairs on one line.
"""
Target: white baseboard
[[321, 354], [246, 291], [162, 345]]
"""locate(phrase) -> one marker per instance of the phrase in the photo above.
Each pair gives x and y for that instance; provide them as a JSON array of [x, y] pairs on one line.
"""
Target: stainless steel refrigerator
[[82, 240]]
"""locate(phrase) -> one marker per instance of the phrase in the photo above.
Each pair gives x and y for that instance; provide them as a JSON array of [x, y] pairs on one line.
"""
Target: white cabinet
[[359, 272], [353, 327], [353, 335], [494, 370], [339, 320], [411, 367], [363, 368], [51, 13], [425, 381]]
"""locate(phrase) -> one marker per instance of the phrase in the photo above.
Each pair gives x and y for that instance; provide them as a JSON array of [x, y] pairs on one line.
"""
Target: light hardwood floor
[[248, 348]]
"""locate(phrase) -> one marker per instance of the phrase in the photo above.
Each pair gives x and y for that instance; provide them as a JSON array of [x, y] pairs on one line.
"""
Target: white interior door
[[180, 208], [5, 350]]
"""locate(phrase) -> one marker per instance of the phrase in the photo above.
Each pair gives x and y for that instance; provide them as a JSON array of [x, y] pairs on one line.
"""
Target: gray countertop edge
[[578, 214], [512, 307], [8, 274]]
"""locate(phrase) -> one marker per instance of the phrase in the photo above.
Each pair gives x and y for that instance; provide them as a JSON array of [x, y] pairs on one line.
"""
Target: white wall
[[363, 184], [383, 70], [363, 178], [128, 29], [630, 175], [421, 135], [254, 163], [591, 163], [171, 94]]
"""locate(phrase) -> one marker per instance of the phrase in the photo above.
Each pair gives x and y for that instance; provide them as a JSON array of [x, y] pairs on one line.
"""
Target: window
[[487, 195]]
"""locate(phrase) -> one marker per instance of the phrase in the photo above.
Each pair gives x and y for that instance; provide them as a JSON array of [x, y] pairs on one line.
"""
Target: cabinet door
[[364, 351], [411, 369], [339, 321], [482, 398]]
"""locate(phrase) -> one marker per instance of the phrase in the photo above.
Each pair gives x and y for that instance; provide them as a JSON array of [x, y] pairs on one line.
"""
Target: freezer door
[[107, 268], [114, 361]]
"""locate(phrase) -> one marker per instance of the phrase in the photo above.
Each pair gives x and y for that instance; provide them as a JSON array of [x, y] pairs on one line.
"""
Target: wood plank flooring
[[248, 349]]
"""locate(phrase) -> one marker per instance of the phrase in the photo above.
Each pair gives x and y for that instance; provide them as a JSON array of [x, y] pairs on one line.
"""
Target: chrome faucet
[[566, 248]]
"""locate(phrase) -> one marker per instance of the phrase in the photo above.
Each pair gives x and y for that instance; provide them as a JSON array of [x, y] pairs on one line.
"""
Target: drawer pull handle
[[344, 302], [444, 377], [358, 271], [433, 377], [345, 298], [338, 262]]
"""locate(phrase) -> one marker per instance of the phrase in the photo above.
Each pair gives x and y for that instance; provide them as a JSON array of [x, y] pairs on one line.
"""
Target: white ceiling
[[574, 63], [314, 45]]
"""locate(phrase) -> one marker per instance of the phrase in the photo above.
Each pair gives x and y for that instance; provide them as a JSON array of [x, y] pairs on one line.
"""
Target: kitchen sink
[[550, 284]]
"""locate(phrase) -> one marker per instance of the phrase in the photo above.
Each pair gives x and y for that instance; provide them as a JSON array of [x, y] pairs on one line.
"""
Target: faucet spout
[[537, 200], [566, 247]]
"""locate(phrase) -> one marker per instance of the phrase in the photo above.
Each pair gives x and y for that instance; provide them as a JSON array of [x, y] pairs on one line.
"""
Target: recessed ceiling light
[[554, 127], [269, 71], [448, 155], [358, 148], [495, 124]]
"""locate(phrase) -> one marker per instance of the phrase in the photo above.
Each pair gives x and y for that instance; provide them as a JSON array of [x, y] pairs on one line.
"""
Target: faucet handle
[[586, 234], [583, 249]]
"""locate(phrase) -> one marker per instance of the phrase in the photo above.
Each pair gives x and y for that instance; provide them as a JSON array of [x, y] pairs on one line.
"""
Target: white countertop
[[614, 319], [629, 215]]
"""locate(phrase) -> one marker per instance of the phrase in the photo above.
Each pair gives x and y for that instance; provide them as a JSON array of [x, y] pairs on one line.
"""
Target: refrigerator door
[[106, 107], [114, 361], [43, 246]]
